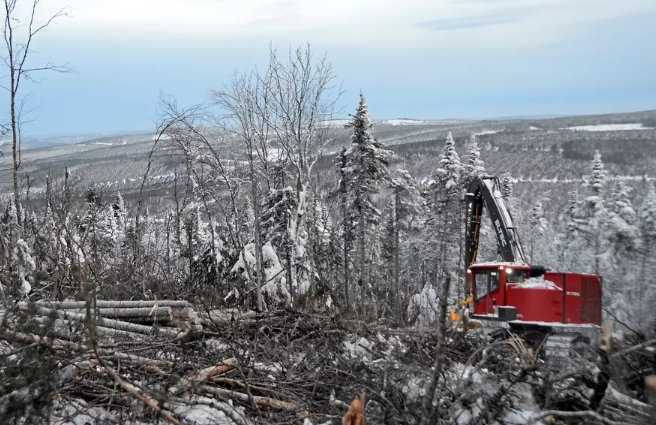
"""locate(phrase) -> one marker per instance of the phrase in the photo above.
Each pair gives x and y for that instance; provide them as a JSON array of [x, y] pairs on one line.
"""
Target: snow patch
[[609, 127], [333, 123], [536, 283], [403, 122]]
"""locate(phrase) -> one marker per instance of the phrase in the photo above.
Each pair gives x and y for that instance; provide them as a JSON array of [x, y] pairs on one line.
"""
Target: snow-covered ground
[[609, 127], [403, 122]]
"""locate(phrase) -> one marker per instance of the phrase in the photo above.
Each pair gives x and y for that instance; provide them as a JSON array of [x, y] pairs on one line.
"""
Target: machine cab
[[488, 284]]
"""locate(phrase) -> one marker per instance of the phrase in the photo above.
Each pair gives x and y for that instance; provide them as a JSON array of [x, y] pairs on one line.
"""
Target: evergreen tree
[[647, 279], [474, 166], [622, 239], [278, 207], [594, 214], [444, 229], [347, 228], [17, 257], [405, 206], [597, 178], [539, 232], [568, 237], [365, 171], [506, 186]]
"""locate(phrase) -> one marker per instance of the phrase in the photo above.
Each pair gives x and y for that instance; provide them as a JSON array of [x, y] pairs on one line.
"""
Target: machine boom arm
[[486, 192]]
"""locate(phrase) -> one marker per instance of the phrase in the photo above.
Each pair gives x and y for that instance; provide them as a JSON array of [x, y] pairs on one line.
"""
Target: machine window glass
[[517, 276], [495, 282], [480, 284]]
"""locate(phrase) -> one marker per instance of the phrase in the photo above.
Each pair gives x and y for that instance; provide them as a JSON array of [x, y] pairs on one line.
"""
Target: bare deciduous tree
[[19, 37], [301, 100]]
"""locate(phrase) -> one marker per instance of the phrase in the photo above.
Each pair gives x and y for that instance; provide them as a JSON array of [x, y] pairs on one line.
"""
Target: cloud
[[506, 16], [381, 24]]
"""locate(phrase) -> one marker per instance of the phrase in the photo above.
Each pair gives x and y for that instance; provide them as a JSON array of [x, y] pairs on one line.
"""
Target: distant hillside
[[542, 154]]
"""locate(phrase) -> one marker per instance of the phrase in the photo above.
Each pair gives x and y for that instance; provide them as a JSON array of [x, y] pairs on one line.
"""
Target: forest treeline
[[253, 224]]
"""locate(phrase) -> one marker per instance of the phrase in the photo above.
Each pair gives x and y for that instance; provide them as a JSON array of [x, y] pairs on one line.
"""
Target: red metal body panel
[[576, 300], [536, 305]]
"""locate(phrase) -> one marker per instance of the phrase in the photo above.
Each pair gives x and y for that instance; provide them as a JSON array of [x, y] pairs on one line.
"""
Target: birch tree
[[247, 105], [19, 35], [302, 96]]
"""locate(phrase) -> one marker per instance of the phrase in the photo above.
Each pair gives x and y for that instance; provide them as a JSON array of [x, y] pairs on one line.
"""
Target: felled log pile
[[129, 319]]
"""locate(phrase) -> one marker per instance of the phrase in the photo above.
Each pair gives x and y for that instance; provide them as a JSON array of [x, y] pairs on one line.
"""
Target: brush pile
[[113, 362]]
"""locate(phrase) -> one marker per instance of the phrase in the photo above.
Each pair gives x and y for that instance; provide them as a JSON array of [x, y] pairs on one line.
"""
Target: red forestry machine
[[527, 300]]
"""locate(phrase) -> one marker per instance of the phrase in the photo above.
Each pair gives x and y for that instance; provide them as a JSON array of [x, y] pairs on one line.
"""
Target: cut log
[[49, 342], [218, 317], [114, 324], [65, 305], [161, 312]]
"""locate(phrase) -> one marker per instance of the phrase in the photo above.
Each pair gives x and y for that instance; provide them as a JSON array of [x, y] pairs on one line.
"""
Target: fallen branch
[[134, 391], [258, 400], [231, 381], [633, 348], [586, 414], [126, 386], [203, 375]]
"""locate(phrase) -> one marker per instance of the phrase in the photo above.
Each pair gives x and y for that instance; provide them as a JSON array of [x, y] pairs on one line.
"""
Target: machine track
[[559, 343]]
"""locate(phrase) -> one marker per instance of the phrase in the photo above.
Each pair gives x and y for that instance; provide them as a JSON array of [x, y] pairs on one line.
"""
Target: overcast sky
[[426, 59]]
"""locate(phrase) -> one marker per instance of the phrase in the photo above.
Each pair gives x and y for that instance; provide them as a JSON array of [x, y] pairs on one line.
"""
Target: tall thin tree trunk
[[427, 405], [347, 240], [361, 262], [259, 260], [15, 148], [346, 267], [397, 303]]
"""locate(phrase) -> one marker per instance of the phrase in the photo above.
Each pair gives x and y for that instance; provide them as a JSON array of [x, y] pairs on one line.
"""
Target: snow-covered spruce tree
[[407, 205], [539, 235], [97, 231], [568, 241], [474, 166], [365, 171], [17, 257], [444, 233], [506, 185], [279, 204], [592, 218], [621, 242], [403, 212], [347, 224], [121, 217], [646, 286]]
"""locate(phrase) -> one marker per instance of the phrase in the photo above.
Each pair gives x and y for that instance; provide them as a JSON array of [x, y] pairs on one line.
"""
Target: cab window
[[517, 276], [480, 284], [495, 281]]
